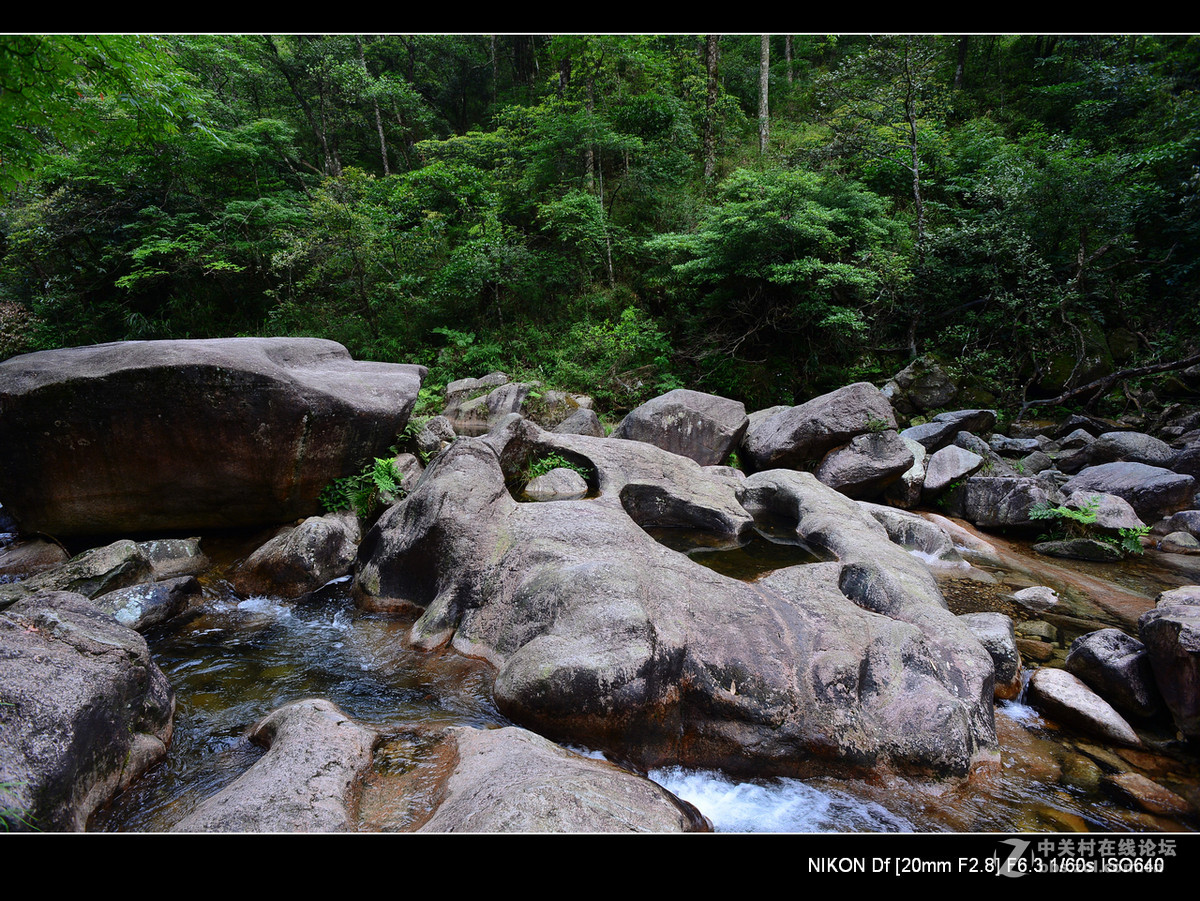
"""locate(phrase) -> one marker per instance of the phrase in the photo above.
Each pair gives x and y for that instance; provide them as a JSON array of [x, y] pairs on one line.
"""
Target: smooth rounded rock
[[191, 434], [511, 781], [1066, 698]]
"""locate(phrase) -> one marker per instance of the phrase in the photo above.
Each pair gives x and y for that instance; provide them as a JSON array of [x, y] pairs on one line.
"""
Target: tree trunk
[[961, 68], [590, 150], [1100, 386], [362, 58], [787, 55], [764, 68], [712, 59], [316, 122], [910, 112]]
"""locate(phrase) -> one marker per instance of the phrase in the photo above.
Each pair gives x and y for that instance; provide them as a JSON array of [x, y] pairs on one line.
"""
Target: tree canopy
[[598, 210]]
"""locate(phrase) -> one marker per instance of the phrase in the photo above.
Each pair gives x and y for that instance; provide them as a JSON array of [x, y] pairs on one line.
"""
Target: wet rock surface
[[514, 781], [1067, 698], [306, 782], [90, 573], [84, 710]]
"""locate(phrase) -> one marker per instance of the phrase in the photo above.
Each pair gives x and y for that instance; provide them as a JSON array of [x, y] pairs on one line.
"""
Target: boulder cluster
[[526, 535]]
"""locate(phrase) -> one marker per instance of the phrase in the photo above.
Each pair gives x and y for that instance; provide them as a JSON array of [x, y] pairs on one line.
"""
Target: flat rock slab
[[514, 781], [181, 435], [1067, 699], [306, 782]]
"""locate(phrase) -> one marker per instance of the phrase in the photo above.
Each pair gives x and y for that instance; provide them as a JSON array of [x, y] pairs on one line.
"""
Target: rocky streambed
[[233, 660], [549, 629]]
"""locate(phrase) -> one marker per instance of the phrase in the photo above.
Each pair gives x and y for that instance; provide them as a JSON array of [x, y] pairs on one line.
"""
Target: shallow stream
[[232, 661]]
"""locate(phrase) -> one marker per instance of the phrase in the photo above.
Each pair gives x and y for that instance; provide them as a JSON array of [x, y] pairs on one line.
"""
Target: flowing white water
[[775, 805], [234, 660]]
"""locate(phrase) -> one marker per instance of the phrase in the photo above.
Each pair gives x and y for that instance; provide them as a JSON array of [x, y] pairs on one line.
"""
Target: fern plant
[[545, 464], [1081, 522], [362, 492], [1073, 523]]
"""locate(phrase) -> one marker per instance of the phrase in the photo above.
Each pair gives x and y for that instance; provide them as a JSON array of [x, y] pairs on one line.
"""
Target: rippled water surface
[[232, 661]]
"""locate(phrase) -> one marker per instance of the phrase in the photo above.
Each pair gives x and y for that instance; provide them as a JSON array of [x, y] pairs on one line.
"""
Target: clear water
[[232, 661], [764, 550]]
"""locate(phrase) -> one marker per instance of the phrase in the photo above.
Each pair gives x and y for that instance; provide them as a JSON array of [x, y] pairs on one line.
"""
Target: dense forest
[[758, 216]]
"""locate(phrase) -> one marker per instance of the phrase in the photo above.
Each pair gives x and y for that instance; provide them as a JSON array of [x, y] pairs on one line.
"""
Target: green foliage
[[1074, 522], [378, 482], [544, 464], [65, 90], [1129, 541], [12, 813], [876, 424], [786, 263], [621, 362], [1080, 522], [538, 204]]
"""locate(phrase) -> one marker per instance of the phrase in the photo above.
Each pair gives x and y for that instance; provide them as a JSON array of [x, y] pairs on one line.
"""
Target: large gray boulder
[[1185, 521], [556, 485], [1171, 634], [603, 637], [702, 427], [1152, 491], [1001, 502], [308, 780], [84, 710], [867, 465], [183, 435], [170, 557], [473, 406], [921, 386], [583, 421], [948, 465], [300, 558], [1109, 447], [1117, 667], [1112, 513], [1187, 460], [510, 780], [943, 428], [797, 436]]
